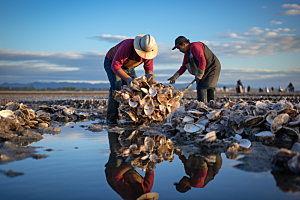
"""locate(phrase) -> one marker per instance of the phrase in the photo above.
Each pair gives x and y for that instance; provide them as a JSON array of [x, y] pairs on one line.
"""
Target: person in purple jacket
[[119, 64], [200, 62]]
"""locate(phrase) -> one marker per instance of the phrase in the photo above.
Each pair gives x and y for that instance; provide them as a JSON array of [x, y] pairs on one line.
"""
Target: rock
[[296, 147]]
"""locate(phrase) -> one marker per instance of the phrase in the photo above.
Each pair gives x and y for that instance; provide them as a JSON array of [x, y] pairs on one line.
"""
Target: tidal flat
[[71, 156]]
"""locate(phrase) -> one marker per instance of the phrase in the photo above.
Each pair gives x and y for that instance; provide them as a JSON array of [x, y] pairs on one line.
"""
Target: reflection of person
[[200, 62], [130, 184], [199, 170], [123, 178], [119, 64]]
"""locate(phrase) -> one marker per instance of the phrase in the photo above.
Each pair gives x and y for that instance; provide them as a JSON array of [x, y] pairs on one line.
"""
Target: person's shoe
[[111, 122]]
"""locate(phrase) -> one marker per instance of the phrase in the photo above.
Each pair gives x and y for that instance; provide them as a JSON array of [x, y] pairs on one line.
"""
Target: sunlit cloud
[[295, 6], [275, 22], [110, 38], [290, 12]]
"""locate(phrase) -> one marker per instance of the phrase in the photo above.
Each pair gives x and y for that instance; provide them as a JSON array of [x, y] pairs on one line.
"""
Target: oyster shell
[[244, 143], [209, 137], [253, 121], [279, 121]]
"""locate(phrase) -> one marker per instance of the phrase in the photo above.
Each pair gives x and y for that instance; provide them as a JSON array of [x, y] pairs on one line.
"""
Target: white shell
[[7, 114], [265, 134], [149, 108], [196, 113], [214, 115], [279, 121], [244, 143], [209, 137], [152, 92], [270, 116], [145, 90], [192, 128], [153, 157], [188, 119], [133, 104]]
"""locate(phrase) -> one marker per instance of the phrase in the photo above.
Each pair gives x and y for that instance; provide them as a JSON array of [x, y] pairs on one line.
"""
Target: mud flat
[[43, 112]]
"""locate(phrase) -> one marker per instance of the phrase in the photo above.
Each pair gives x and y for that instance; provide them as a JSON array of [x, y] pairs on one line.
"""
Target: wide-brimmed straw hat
[[145, 46], [151, 195]]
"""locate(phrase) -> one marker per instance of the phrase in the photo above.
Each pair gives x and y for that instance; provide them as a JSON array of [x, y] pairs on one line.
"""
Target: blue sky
[[66, 40]]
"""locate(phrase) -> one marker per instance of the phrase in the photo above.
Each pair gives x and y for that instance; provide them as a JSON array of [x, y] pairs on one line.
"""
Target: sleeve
[[183, 67], [197, 49], [148, 65], [121, 56], [184, 161], [148, 182]]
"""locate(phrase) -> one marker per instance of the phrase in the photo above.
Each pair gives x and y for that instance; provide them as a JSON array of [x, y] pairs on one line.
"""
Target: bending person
[[119, 64], [200, 62]]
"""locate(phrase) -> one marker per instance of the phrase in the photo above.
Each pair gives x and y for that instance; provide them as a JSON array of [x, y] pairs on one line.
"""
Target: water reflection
[[122, 176], [199, 168]]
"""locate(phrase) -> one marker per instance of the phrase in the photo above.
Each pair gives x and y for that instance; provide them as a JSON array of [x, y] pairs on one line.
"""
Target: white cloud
[[295, 6], [270, 34], [110, 38], [264, 7], [290, 12], [231, 35], [275, 22]]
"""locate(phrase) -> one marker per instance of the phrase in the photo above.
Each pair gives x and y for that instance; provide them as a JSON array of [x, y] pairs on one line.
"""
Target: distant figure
[[224, 88], [267, 89], [272, 89], [280, 89], [248, 88], [245, 90], [239, 87], [291, 87], [261, 90]]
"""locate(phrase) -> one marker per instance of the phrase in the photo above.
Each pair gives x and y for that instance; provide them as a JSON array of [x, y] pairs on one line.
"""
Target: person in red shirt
[[119, 64], [200, 62], [199, 171]]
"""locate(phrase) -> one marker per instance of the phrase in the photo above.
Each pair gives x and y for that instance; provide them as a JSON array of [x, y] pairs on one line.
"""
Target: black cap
[[179, 40]]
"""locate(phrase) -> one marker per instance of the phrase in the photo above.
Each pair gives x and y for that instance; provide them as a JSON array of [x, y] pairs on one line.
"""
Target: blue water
[[75, 170]]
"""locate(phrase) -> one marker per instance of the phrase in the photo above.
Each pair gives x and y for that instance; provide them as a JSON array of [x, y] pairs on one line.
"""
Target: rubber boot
[[112, 109], [211, 95], [202, 95]]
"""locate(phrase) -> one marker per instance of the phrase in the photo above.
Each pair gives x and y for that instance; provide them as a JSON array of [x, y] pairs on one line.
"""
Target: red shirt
[[126, 192], [197, 176], [123, 53], [197, 49]]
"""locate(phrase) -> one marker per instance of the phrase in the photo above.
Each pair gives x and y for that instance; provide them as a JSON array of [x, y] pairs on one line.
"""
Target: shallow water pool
[[75, 169]]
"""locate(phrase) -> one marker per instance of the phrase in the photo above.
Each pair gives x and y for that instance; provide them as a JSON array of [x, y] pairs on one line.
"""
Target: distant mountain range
[[42, 85]]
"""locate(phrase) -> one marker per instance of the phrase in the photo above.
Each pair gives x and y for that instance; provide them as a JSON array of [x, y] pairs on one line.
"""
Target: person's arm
[[148, 66], [120, 57], [182, 69], [148, 181]]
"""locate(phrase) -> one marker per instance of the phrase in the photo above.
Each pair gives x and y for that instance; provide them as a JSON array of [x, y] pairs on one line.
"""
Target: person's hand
[[131, 82], [151, 166], [199, 74], [178, 152], [173, 78]]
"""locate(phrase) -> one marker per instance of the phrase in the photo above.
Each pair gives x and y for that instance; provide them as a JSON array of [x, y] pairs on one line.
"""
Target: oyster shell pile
[[148, 102], [23, 116], [200, 122], [144, 148]]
